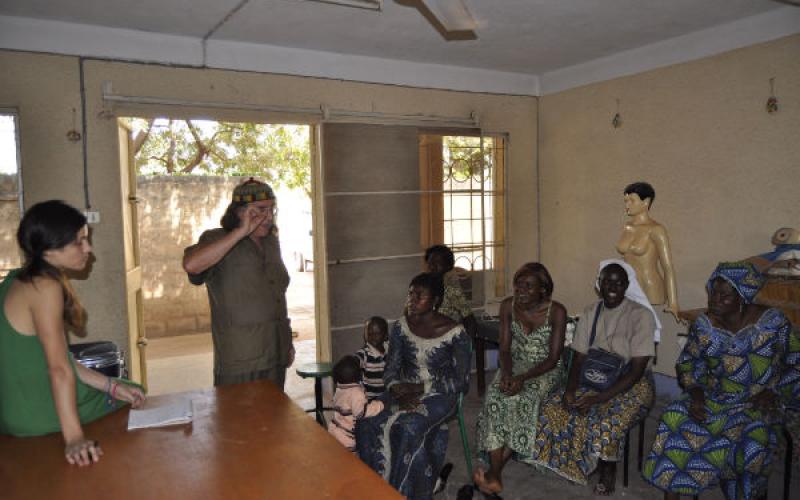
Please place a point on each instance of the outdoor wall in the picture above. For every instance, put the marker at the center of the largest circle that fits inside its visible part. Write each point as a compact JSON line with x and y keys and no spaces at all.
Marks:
{"x":9,"y":220}
{"x":46,"y":89}
{"x":724,"y":170}
{"x":173,"y":212}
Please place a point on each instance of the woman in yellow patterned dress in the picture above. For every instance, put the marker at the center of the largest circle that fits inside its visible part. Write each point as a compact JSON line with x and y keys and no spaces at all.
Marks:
{"x":581,"y":429}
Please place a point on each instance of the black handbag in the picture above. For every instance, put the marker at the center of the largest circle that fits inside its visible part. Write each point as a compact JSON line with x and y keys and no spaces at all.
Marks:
{"x":601,"y":368}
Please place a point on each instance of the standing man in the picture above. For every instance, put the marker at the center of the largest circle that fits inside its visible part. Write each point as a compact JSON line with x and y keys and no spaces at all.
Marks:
{"x":241,"y":265}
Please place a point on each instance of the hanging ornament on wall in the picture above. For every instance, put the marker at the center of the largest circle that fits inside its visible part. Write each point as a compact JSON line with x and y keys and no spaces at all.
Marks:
{"x":73,"y":135}
{"x":616,"y":122}
{"x":772,"y":101}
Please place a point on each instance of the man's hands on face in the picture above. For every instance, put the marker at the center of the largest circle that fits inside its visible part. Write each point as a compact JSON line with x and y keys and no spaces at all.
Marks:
{"x":250,"y":218}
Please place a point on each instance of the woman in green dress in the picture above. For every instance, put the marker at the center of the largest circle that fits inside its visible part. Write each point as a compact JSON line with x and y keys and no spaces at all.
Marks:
{"x":42,"y":388}
{"x":532,"y":328}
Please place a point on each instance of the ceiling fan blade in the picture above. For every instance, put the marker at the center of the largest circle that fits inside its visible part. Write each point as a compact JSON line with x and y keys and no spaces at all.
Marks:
{"x":452,"y":14}
{"x":358,"y":4}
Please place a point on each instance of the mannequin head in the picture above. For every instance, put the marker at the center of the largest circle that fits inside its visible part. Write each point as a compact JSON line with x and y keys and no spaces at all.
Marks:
{"x":641,"y":190}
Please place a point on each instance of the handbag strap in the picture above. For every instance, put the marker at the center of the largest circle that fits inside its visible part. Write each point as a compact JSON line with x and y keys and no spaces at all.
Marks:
{"x":594,"y":323}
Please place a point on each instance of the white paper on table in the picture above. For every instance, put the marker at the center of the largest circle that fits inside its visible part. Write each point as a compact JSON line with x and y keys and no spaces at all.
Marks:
{"x":174,"y":412}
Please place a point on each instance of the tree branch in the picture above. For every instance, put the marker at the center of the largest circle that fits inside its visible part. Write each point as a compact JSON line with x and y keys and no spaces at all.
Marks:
{"x":142,"y":137}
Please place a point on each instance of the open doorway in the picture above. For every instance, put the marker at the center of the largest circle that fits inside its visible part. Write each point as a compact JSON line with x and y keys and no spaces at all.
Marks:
{"x":10,"y":192}
{"x":185,"y":171}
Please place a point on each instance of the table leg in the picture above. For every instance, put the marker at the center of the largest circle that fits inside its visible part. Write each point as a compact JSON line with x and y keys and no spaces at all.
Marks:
{"x":480,"y":362}
{"x":318,"y":401}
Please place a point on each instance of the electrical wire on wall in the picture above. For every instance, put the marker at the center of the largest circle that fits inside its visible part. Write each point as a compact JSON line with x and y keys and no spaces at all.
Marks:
{"x":87,"y":202}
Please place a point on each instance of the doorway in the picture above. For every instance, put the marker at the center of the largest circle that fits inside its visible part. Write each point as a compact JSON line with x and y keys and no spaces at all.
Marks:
{"x":185,"y":171}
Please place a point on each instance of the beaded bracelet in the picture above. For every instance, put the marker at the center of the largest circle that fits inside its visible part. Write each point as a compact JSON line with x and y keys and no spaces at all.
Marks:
{"x":114,"y":392}
{"x":111,"y":392}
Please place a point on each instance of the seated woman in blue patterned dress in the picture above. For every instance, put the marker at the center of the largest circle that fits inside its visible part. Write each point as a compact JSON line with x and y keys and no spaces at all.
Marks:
{"x":738,"y":359}
{"x":427,"y":367}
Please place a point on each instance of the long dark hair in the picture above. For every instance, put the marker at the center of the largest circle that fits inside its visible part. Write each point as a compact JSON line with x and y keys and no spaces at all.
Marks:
{"x":51,"y":225}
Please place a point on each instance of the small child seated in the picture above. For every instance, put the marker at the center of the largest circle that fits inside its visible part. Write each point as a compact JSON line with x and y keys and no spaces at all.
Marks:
{"x":373,"y":355}
{"x":349,"y":401}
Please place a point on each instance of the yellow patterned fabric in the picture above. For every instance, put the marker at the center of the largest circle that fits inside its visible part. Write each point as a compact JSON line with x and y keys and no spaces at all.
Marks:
{"x":454,"y":304}
{"x":570,"y":444}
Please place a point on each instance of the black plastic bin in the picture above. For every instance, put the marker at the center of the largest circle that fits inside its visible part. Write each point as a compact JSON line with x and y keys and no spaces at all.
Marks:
{"x":104,"y":357}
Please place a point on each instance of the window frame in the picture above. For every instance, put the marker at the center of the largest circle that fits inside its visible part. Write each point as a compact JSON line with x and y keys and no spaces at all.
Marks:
{"x":14,"y":114}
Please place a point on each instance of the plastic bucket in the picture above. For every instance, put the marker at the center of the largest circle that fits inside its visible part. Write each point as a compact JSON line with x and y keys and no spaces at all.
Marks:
{"x":104,"y":357}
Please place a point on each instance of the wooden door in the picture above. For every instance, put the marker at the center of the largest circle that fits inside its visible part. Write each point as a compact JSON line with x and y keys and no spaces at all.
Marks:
{"x":137,"y":341}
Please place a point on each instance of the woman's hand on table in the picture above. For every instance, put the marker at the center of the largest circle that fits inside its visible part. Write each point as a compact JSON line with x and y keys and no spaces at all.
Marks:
{"x":130,"y":394}
{"x":82,"y":452}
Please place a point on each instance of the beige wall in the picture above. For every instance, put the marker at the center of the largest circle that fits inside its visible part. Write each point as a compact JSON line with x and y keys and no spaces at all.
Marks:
{"x":725,"y":171}
{"x":173,"y":213}
{"x":45,"y":89}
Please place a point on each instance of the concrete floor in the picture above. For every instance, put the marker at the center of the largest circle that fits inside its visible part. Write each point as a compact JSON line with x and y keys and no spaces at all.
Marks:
{"x":186,"y":363}
{"x":522,"y":482}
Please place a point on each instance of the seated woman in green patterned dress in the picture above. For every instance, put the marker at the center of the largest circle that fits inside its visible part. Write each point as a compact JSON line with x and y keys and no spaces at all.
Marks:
{"x":532,"y":328}
{"x":42,"y":388}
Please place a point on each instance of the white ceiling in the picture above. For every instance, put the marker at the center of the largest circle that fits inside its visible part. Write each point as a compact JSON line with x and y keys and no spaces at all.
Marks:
{"x":528,"y":38}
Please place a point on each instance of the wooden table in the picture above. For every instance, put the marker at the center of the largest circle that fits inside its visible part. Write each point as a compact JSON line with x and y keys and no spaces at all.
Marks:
{"x":246,"y":441}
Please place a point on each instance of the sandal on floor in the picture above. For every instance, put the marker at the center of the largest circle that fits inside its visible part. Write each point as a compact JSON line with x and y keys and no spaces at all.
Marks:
{"x":441,"y":481}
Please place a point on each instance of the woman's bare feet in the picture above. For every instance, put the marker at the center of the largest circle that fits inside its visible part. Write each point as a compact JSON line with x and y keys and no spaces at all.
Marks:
{"x":486,"y":482}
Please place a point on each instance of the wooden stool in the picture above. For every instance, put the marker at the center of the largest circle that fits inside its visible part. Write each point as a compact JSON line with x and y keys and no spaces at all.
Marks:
{"x":319,"y":371}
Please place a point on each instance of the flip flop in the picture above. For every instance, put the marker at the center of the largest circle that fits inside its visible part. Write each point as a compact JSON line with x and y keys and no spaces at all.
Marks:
{"x":441,"y":481}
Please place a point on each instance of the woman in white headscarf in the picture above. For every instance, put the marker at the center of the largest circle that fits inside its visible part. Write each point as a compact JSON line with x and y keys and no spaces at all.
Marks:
{"x":583,"y":428}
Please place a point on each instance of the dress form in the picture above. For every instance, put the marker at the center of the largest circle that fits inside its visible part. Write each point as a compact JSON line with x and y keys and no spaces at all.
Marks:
{"x":644,"y":245}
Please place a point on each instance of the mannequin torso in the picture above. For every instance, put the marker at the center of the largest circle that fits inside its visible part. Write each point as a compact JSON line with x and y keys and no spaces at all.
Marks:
{"x":644,"y":245}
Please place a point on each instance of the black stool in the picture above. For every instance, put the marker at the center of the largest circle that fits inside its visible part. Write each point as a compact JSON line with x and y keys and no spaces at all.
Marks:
{"x":318,"y":371}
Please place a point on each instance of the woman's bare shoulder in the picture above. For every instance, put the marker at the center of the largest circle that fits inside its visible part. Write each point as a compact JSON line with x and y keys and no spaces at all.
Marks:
{"x":41,"y":289}
{"x":558,"y":308}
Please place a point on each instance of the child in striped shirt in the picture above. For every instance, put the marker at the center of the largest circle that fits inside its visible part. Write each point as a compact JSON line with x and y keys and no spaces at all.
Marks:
{"x":373,"y":355}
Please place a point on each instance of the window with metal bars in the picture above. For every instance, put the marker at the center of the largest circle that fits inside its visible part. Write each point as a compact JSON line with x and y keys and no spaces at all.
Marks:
{"x":464,"y":207}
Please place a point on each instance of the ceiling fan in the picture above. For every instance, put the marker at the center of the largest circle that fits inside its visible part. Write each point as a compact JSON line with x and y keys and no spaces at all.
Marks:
{"x":451,"y":18}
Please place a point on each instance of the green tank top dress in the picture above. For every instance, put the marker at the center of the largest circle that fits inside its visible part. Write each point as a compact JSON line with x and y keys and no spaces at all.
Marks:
{"x":511,"y":420}
{"x":26,"y":399}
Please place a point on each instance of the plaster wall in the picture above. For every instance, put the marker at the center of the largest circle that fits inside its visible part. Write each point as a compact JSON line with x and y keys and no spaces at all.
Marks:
{"x":724,"y":170}
{"x":45,"y":90}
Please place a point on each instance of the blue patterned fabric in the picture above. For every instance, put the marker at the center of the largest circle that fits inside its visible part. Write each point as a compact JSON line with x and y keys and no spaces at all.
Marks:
{"x":407,"y":447}
{"x":743,"y":276}
{"x":733,"y":447}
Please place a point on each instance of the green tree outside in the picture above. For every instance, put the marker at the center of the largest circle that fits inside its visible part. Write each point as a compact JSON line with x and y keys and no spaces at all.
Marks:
{"x":279,"y":154}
